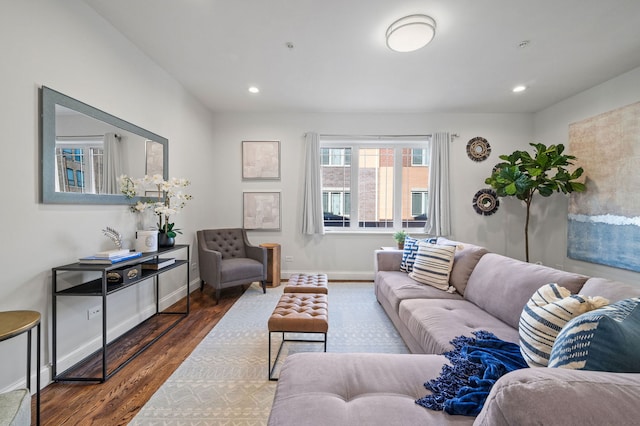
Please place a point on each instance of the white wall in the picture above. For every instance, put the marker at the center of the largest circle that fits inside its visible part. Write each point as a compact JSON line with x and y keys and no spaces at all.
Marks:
{"x":350,"y":256}
{"x":552,"y":126}
{"x":64,"y":45}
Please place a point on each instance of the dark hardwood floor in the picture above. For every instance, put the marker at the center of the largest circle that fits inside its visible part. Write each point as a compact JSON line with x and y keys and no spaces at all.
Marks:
{"x":116,"y":401}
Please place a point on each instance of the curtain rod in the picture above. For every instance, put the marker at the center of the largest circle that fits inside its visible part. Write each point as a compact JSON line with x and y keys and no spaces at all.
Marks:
{"x":83,"y":136}
{"x":453,"y":136}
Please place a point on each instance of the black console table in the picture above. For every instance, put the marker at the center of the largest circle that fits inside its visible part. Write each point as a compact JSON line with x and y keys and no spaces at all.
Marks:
{"x":101,"y":288}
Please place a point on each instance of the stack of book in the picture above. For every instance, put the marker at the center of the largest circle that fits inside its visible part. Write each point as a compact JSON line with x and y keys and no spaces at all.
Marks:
{"x":109,"y":257}
{"x":158,"y":263}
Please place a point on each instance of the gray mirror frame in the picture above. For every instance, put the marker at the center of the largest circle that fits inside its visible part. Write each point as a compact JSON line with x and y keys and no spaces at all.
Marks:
{"x":49,"y":98}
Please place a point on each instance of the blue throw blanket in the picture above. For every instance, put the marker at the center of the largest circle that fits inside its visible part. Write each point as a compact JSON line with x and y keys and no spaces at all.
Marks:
{"x":476,"y":364}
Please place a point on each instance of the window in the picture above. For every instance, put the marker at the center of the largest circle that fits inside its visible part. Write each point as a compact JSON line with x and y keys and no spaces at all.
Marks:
{"x":335,"y":156}
{"x":81,"y":162}
{"x":419,"y":204}
{"x":376,"y":183}
{"x":419,"y":157}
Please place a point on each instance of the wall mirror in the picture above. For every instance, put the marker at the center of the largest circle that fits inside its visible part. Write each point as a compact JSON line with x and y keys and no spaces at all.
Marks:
{"x":85,"y":150}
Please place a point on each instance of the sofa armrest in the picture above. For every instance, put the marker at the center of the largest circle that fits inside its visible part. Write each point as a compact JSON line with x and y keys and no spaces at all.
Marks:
{"x":557,"y":396}
{"x":387,"y":260}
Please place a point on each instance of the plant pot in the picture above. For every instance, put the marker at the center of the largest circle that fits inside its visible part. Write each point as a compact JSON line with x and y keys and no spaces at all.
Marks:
{"x":146,"y":241}
{"x":401,"y":246}
{"x":165,"y":241}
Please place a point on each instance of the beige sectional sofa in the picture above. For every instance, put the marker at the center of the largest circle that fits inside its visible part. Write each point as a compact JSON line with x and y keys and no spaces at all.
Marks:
{"x":491,"y":292}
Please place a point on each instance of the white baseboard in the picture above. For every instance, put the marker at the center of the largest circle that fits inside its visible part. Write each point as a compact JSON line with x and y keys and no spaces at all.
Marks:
{"x":91,"y":346}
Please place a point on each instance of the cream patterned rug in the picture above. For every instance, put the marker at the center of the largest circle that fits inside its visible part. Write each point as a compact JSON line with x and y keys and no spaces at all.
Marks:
{"x":225,"y":379}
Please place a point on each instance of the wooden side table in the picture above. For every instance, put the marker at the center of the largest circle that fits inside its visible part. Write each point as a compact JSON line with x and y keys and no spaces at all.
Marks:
{"x":14,"y":323}
{"x":273,"y":264}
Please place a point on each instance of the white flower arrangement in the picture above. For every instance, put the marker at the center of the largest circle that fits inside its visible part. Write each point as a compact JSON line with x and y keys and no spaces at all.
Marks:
{"x":169,"y":201}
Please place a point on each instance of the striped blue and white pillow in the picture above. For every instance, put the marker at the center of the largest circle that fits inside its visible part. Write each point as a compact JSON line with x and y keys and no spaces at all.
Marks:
{"x":433,"y":265}
{"x":606,"y":339}
{"x":550,"y":308}
{"x":410,"y":251}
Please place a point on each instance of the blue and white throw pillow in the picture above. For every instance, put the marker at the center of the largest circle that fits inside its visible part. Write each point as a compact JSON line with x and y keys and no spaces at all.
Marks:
{"x":550,"y":308}
{"x":433,"y":265}
{"x":410,"y":251}
{"x":606,"y":339}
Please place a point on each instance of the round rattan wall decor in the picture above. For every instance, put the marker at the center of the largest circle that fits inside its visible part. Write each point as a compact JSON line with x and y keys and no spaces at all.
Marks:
{"x":486,"y":202}
{"x":478,"y":149}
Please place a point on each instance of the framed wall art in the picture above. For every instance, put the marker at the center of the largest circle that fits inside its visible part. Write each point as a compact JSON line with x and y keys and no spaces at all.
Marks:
{"x":261,"y":160}
{"x":261,"y":211}
{"x":604,"y":220}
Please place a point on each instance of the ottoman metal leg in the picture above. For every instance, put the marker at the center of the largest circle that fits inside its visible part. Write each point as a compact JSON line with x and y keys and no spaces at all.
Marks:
{"x":273,"y":367}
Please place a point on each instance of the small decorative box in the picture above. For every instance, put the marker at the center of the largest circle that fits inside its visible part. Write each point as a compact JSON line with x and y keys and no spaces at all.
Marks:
{"x":124,"y":275}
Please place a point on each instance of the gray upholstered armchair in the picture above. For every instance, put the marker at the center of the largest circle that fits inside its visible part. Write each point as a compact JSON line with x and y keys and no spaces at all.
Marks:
{"x":227,"y":259}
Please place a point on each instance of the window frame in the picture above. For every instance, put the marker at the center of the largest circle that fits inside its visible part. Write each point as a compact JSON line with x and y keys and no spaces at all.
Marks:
{"x":373,"y":142}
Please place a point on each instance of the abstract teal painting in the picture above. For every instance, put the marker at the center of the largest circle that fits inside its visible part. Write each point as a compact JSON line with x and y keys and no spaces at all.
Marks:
{"x":604,"y":221}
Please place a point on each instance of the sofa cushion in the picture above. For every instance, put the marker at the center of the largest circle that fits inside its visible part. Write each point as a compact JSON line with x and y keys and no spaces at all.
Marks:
{"x":548,"y":310}
{"x":497,"y":279}
{"x":410,"y":251}
{"x":396,"y":286}
{"x":609,"y":289}
{"x":553,"y":396}
{"x":433,"y":265}
{"x":607,"y":339}
{"x":466,"y":258}
{"x":435,"y":322}
{"x":356,"y":389}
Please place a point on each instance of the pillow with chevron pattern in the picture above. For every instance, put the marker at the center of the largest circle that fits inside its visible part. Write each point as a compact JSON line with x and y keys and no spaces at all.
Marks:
{"x":607,"y":339}
{"x":410,"y":251}
{"x":550,"y":308}
{"x":433,"y":265}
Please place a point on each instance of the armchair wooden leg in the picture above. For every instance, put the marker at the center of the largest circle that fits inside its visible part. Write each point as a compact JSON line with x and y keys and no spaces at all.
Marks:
{"x":264,"y":287}
{"x":201,"y":285}
{"x":217,"y":295}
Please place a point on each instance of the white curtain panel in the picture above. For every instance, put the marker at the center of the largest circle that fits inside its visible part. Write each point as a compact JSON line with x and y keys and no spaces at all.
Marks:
{"x":439,"y":212}
{"x":312,"y":215}
{"x":112,"y":164}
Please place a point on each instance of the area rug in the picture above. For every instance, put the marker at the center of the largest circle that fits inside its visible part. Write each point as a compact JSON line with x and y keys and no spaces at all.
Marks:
{"x":225,"y":379}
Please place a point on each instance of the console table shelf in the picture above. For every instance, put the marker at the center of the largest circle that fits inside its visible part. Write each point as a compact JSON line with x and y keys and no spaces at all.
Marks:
{"x":94,"y":288}
{"x":102,"y":289}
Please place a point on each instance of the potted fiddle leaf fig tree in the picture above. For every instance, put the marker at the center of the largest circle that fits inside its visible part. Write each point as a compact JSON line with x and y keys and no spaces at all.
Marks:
{"x":546,"y":171}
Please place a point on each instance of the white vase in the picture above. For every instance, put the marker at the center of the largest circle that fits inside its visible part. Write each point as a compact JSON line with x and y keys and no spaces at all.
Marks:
{"x":146,"y":241}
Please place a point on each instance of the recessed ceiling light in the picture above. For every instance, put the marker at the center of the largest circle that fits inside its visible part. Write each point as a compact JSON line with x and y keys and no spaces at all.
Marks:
{"x":254,"y":89}
{"x":519,"y":89}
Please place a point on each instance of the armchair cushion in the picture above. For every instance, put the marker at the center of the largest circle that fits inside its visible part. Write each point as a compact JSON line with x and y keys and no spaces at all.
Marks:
{"x":15,"y":408}
{"x":240,"y":269}
{"x":229,"y":242}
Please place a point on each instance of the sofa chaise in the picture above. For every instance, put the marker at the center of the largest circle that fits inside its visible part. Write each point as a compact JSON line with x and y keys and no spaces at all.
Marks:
{"x":491,"y":292}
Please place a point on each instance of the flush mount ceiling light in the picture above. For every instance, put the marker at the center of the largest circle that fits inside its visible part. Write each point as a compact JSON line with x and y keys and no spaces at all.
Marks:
{"x":254,"y":89}
{"x":411,"y":33}
{"x":519,"y":89}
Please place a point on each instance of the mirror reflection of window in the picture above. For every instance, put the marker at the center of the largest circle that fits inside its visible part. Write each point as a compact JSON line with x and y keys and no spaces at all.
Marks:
{"x":79,"y":164}
{"x":154,"y":155}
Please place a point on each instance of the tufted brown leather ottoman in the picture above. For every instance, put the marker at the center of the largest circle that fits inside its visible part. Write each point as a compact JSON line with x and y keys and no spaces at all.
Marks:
{"x":298,"y":313}
{"x":307,"y":283}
